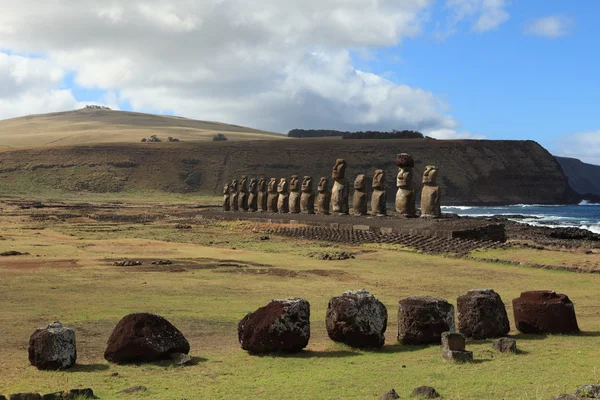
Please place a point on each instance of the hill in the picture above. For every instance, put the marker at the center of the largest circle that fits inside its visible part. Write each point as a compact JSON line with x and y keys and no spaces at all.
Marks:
{"x":90,"y":126}
{"x":584,"y":178}
{"x":471,"y":171}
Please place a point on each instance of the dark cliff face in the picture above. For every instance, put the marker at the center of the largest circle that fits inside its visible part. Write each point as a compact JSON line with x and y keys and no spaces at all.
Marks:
{"x":470,"y":171}
{"x":584,"y":178}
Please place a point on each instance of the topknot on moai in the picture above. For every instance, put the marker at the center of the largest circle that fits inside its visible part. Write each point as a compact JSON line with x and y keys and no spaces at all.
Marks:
{"x":261,"y":197}
{"x":252,"y":195}
{"x":405,"y":197}
{"x":283,"y":196}
{"x":324,"y":197}
{"x":273,"y":195}
{"x":341,"y":190}
{"x":359,"y":198}
{"x":294,"y":200}
{"x":234,"y":195}
{"x":379,"y":198}
{"x":243,"y":196}
{"x":430,"y":195}
{"x":307,"y":199}
{"x":227,"y":197}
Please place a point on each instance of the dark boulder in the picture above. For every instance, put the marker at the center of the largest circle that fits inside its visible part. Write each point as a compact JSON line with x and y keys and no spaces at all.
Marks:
{"x":423,"y":319}
{"x":357,"y":318}
{"x":25,"y":396}
{"x":425,"y":392}
{"x":144,"y":337}
{"x":482,"y":314}
{"x":390,"y":395}
{"x":505,"y":345}
{"x":544,"y":311}
{"x":53,"y":347}
{"x":281,"y":325}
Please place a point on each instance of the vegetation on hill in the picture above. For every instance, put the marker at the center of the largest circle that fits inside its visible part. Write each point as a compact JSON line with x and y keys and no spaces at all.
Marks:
{"x":394,"y":134}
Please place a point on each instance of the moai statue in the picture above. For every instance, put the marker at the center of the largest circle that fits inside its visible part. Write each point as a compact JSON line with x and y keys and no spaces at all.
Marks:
{"x":324,"y":197}
{"x":430,"y":195}
{"x":405,"y":197}
{"x":234,"y":195}
{"x":226,"y":197}
{"x":243,"y":197}
{"x":283,"y":196}
{"x":261,"y":198}
{"x":294,"y":199}
{"x":272,"y":196}
{"x":252,"y":195}
{"x":307,"y":199}
{"x":379,"y":198}
{"x":341,"y":188}
{"x":359,"y":199}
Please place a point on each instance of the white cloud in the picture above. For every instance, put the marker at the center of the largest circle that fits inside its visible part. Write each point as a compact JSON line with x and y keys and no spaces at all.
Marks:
{"x":484,"y":15}
{"x":452,"y":134}
{"x":270,"y":64}
{"x":584,"y":146}
{"x":550,"y":27}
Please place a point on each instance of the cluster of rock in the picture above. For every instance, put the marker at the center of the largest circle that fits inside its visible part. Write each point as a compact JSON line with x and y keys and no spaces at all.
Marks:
{"x":295,"y":196}
{"x":73,"y":394}
{"x":584,"y":392}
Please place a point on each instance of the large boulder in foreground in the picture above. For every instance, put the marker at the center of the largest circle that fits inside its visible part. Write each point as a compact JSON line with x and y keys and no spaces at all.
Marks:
{"x":144,"y":337}
{"x":357,"y":319}
{"x":423,"y":319}
{"x":583,"y":393}
{"x":282,"y":325}
{"x":544,"y":311}
{"x":482,"y":315}
{"x":53,"y":347}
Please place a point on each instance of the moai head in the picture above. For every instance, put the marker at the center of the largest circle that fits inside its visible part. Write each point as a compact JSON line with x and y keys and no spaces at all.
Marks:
{"x":430,"y":175}
{"x":244,"y":184}
{"x":226,"y":189}
{"x":294,"y":183}
{"x":323,"y":185}
{"x":234,"y":186}
{"x":379,"y":179}
{"x":339,"y":169}
{"x":253,"y":185}
{"x":283,"y":186}
{"x":404,"y":179}
{"x":307,"y":185}
{"x":360,"y":183}
{"x":262,"y":185}
{"x":273,"y":185}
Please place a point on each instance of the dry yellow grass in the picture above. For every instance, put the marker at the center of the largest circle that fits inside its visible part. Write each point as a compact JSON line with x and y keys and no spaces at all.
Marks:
{"x":89,"y":126}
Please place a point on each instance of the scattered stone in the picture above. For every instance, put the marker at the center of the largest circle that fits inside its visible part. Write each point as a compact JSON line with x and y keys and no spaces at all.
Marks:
{"x":584,"y":392}
{"x":426,"y":392}
{"x":390,"y":395}
{"x":357,"y":318}
{"x":453,"y":348}
{"x":134,"y":389}
{"x":505,"y":345}
{"x":114,"y":374}
{"x":186,"y":226}
{"x":281,"y":325}
{"x":482,"y":314}
{"x":162,"y":262}
{"x":25,"y":396}
{"x":126,"y":263}
{"x":342,"y":255}
{"x":181,"y":358}
{"x":423,"y":319}
{"x":12,"y":253}
{"x":71,"y":395}
{"x":53,"y":347}
{"x":544,"y":311}
{"x":144,"y":337}
{"x":265,"y":238}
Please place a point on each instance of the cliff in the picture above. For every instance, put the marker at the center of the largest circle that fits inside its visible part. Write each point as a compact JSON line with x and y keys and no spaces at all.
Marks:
{"x":583,"y":178}
{"x":471,"y":171}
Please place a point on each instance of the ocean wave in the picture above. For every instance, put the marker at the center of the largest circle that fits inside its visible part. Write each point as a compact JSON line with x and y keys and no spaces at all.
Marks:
{"x":457,"y":207}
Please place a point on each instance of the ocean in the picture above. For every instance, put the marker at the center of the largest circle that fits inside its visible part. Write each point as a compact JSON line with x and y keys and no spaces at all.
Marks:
{"x":583,"y":215}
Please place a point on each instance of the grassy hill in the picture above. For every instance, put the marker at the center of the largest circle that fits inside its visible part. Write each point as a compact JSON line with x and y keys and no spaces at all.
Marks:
{"x":92,"y":126}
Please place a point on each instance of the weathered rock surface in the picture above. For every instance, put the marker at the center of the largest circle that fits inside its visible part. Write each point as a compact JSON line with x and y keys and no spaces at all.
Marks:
{"x":584,"y":392}
{"x":505,"y":345}
{"x":482,"y":314}
{"x":453,"y":348}
{"x":390,"y":395}
{"x":307,"y":198}
{"x":430,"y":194}
{"x":253,"y":195}
{"x":379,"y":197}
{"x":243,"y":194}
{"x":144,"y":337}
{"x":544,"y":311}
{"x":272,"y":196}
{"x":53,"y":347}
{"x":234,"y":195}
{"x":262,"y":197}
{"x":359,"y":198}
{"x":425,"y":392}
{"x":283,"y":196}
{"x":357,"y":318}
{"x":25,"y":396}
{"x":324,"y":197}
{"x":226,"y":197}
{"x":71,"y":395}
{"x":281,"y":325}
{"x":295,"y":194}
{"x":405,"y":196}
{"x":423,"y":319}
{"x":341,"y":188}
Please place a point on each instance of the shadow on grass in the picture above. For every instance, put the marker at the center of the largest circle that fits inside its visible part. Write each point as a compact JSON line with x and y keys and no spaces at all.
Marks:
{"x":399,"y":348}
{"x":527,"y":336}
{"x":312,"y":354}
{"x":88,"y":368}
{"x":588,"y":334}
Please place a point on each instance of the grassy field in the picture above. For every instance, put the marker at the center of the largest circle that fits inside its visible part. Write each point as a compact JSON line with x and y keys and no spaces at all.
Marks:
{"x":69,"y":276}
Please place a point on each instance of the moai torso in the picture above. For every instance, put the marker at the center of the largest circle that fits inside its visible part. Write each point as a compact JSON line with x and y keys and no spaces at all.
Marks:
{"x":359,"y":198}
{"x":283,"y":205}
{"x":252,"y":195}
{"x":430,"y":195}
{"x":307,"y":199}
{"x":261,"y":197}
{"x":226,"y":198}
{"x":243,"y":197}
{"x":272,"y":196}
{"x":341,"y":190}
{"x":405,"y":197}
{"x":234,"y":195}
{"x":324,"y":197}
{"x":294,"y":199}
{"x":379,"y":198}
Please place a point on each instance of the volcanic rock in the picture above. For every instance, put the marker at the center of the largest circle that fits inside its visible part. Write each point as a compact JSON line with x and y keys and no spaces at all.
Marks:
{"x":390,"y":395}
{"x":505,"y":345}
{"x":544,"y":311}
{"x":53,"y":347}
{"x":482,"y":314}
{"x":25,"y":396}
{"x":423,"y":319}
{"x":453,"y":348}
{"x":426,"y":392}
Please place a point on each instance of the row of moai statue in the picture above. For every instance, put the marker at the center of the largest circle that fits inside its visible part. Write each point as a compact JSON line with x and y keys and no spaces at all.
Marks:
{"x":298,"y":197}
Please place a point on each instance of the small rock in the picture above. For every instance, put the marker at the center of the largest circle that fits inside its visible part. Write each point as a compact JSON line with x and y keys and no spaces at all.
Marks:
{"x":162,"y":262}
{"x":12,"y":253}
{"x":25,"y":396}
{"x":426,"y":392}
{"x":265,"y":238}
{"x":589,"y":391}
{"x":453,"y":348}
{"x":114,"y":374}
{"x":71,"y":395}
{"x":505,"y":345}
{"x":391,"y":395}
{"x":127,"y":263}
{"x":53,"y":347}
{"x":183,"y":226}
{"x":134,"y":389}
{"x":181,"y":358}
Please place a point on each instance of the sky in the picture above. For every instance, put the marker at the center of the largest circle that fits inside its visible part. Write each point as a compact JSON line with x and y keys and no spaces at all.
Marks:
{"x":493,"y":69}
